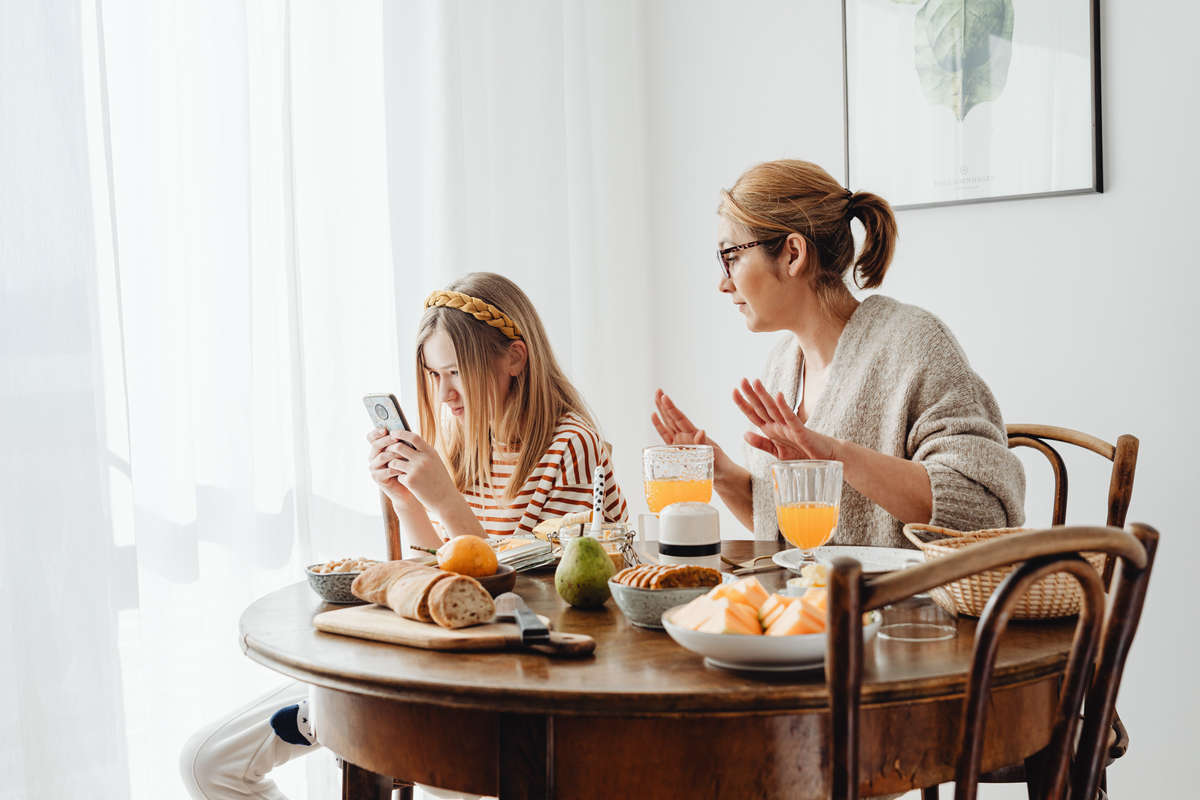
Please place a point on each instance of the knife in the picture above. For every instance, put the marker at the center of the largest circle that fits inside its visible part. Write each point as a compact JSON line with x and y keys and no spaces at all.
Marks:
{"x":533,"y":632}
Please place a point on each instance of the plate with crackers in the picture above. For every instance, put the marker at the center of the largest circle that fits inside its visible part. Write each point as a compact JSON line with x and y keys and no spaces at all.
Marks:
{"x":645,"y":591}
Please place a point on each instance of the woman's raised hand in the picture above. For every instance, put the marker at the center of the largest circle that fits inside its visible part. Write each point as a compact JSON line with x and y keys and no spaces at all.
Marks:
{"x":783,"y":434}
{"x":674,"y":427}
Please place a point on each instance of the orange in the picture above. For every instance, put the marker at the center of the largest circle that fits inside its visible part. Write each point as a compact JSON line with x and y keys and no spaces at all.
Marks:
{"x":468,"y":555}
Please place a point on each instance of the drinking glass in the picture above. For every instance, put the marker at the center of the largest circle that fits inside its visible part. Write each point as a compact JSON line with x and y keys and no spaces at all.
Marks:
{"x":807,"y":496}
{"x":677,"y":473}
{"x":917,"y":619}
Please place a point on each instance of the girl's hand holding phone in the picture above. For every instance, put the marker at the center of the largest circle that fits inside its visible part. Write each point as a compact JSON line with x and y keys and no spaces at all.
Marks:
{"x":420,"y":470}
{"x":380,"y":440}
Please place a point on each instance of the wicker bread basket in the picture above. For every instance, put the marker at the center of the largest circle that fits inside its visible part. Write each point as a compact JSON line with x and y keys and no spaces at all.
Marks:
{"x":1053,"y":596}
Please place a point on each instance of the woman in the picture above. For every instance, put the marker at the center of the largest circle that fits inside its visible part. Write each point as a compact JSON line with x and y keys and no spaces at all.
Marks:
{"x":881,"y":386}
{"x":508,"y":442}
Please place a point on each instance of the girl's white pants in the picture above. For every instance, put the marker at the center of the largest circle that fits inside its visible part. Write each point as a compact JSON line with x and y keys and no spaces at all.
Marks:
{"x":231,"y":759}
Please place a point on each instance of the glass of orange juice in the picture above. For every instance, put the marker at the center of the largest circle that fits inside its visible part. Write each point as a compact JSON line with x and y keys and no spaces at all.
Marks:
{"x":807,"y":496}
{"x":677,"y":473}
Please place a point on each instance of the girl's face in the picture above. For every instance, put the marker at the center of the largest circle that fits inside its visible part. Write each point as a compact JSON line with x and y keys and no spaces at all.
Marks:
{"x":441,"y":362}
{"x":756,"y":281}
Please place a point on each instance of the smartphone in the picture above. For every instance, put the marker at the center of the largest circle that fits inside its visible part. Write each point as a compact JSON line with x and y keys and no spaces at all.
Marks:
{"x":384,"y":410}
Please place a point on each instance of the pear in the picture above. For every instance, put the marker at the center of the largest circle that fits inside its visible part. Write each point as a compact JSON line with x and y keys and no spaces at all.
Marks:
{"x":582,"y":575}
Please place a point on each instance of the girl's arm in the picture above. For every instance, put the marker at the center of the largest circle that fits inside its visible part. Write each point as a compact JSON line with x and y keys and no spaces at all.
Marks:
{"x":421,"y":471}
{"x":415,"y":527}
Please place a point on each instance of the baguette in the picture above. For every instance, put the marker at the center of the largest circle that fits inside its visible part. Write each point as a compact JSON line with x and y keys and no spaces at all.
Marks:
{"x":459,"y":602}
{"x":402,"y":586}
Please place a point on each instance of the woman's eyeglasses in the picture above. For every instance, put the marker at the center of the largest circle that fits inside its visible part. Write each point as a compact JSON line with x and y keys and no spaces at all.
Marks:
{"x":723,"y":255}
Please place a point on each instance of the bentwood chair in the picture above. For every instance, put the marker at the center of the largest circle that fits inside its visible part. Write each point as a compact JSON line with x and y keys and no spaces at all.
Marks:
{"x":1070,"y":766}
{"x":1123,"y":456}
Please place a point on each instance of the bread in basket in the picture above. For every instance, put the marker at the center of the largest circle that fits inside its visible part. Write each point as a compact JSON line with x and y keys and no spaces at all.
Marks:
{"x":1051,"y":597}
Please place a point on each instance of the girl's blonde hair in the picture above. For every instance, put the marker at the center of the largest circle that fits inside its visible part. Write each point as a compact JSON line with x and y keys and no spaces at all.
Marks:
{"x":777,"y":198}
{"x":537,"y":398}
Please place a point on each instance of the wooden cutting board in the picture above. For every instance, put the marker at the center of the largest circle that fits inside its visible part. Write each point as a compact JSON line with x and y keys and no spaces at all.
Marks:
{"x":381,"y":624}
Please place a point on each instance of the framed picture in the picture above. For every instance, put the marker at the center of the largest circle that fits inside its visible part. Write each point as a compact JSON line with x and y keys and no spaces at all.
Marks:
{"x":963,"y":101}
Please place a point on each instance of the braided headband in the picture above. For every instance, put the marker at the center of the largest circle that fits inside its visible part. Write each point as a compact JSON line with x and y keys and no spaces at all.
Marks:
{"x":479,"y":309}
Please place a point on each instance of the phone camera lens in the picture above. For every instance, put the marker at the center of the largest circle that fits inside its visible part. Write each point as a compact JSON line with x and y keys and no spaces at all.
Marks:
{"x":381,"y":411}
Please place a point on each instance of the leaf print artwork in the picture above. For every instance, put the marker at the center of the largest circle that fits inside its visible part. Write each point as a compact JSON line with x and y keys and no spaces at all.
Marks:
{"x":963,"y":49}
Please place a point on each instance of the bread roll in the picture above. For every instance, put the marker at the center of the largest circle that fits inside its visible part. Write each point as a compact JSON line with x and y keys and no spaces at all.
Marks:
{"x":401,"y":586}
{"x":459,"y":602}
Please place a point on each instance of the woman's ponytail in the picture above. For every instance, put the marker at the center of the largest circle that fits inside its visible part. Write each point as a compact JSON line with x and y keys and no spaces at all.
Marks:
{"x":879,"y":226}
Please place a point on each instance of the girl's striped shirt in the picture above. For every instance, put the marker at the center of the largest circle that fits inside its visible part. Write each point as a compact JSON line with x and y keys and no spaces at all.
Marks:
{"x":560,"y":483}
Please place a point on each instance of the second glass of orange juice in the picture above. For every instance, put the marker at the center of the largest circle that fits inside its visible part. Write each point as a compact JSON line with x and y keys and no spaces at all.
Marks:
{"x":807,"y":497}
{"x":677,"y":474}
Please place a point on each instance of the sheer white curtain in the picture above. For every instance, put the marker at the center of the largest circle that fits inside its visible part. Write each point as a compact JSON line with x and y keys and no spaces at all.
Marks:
{"x":218,"y":223}
{"x":517,"y":141}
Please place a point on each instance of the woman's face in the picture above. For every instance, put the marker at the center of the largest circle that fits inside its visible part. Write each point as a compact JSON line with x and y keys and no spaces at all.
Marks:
{"x":441,"y":362}
{"x":754,"y":283}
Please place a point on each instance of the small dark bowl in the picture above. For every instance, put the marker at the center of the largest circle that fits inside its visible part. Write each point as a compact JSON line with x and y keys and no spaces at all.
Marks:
{"x":332,"y":587}
{"x":503,"y":580}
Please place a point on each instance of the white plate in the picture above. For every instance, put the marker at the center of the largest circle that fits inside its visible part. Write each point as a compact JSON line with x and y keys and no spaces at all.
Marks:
{"x":763,"y":667}
{"x":739,"y":651}
{"x":873,"y":559}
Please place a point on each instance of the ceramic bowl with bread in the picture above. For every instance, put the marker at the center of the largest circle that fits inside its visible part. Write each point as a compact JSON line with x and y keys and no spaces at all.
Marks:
{"x":644,"y":592}
{"x":331,"y":580}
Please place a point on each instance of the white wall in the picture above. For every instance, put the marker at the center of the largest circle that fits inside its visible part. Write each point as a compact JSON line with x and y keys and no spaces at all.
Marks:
{"x":1077,"y":310}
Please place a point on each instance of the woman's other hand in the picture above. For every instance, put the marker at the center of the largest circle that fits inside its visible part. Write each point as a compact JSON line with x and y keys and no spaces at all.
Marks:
{"x":674,"y":427}
{"x":387,"y":478}
{"x":783,"y":434}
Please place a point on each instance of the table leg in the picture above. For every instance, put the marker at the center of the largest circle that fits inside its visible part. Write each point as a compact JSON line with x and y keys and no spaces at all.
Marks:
{"x":526,"y":767}
{"x":362,"y":784}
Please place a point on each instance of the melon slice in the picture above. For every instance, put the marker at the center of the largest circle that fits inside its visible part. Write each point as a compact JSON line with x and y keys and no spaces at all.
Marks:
{"x":776,"y":604}
{"x":795,"y":619}
{"x":731,"y":618}
{"x":818,"y":598}
{"x":746,"y":590}
{"x":694,"y":614}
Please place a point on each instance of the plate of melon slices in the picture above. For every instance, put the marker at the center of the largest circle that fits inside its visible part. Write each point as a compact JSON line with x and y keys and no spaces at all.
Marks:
{"x":739,"y":625}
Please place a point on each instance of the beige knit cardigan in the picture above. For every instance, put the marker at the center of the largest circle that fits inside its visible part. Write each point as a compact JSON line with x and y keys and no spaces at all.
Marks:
{"x":900,"y":384}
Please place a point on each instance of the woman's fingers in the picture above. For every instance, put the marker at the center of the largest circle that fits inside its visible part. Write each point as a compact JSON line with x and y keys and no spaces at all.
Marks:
{"x":399,"y":466}
{"x":665,"y":433}
{"x":677,"y":418}
{"x":774,"y":412}
{"x":748,"y":410}
{"x":755,"y":403}
{"x":761,"y":443}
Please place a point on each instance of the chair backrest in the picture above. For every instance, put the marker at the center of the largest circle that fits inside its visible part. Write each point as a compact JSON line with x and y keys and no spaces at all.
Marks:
{"x":391,"y":528}
{"x":1101,"y":640}
{"x":1123,"y":456}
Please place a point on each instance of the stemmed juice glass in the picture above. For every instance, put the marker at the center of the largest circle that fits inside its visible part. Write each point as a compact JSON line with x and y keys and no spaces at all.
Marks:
{"x":807,"y":497}
{"x":677,"y":473}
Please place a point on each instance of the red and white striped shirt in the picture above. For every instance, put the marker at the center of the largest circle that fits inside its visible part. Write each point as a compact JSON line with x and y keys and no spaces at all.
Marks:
{"x":560,"y":483}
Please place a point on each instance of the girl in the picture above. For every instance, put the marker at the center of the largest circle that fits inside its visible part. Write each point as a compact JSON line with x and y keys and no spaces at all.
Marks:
{"x":881,"y":386}
{"x":508,"y":442}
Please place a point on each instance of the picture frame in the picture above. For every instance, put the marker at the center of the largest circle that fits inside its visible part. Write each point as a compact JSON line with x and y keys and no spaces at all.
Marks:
{"x":969,"y":101}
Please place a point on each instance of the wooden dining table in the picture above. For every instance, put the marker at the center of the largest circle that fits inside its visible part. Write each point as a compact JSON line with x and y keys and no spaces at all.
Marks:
{"x":643,"y":717}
